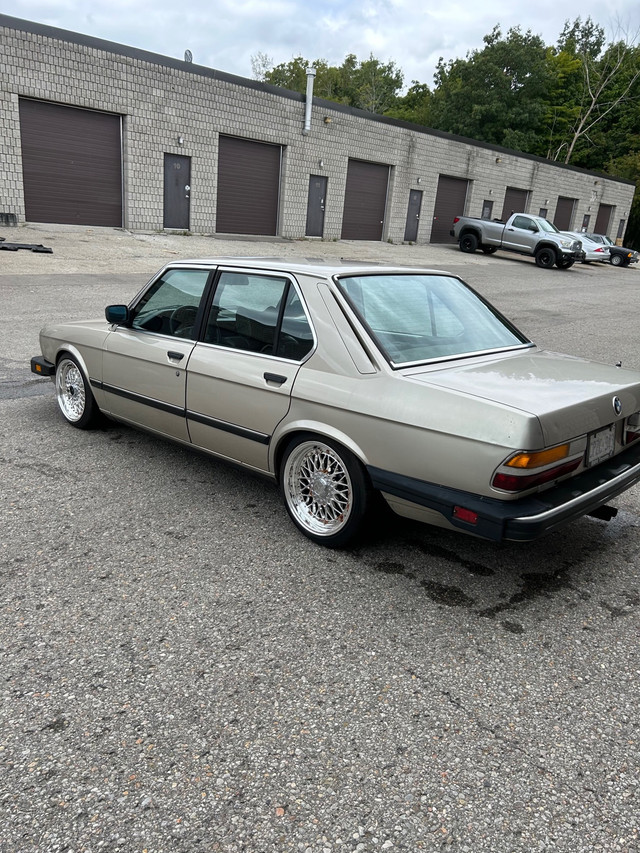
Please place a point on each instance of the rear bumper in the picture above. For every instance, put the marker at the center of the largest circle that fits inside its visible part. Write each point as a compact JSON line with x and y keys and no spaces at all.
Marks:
{"x":524,"y":519}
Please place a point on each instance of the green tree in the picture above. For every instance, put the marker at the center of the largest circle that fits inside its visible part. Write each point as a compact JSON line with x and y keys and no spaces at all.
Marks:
{"x":498,"y":94}
{"x":601,"y":87}
{"x":628,"y":166}
{"x":369,"y":85}
{"x":415,"y":106}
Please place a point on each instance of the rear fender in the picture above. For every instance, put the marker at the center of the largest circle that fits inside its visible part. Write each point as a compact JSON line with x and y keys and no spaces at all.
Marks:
{"x":282,"y":437}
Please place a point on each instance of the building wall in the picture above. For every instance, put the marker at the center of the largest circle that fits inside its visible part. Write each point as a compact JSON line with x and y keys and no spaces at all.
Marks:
{"x":162,"y":99}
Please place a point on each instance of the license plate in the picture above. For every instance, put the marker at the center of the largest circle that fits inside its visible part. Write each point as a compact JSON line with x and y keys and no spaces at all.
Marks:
{"x":601,"y":445}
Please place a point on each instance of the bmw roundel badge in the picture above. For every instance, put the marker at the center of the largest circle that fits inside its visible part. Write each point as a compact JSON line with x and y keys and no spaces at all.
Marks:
{"x":617,"y":406}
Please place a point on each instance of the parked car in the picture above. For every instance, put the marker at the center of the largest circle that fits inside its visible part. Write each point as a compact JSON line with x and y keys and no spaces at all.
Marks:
{"x":340,"y":380}
{"x":591,"y":250}
{"x":619,"y":256}
{"x":521,"y":233}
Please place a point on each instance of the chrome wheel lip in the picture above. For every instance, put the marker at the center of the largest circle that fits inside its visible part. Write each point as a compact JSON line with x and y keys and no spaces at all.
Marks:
{"x":70,"y":390}
{"x":318,"y":488}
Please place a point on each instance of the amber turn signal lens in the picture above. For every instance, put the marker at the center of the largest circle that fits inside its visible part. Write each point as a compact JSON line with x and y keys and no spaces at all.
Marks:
{"x":539,"y":458}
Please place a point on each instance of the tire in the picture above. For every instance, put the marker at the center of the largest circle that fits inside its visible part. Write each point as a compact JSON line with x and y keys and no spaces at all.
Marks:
{"x":74,"y":396}
{"x":325,"y":490}
{"x":616,"y":260}
{"x":489,"y":250}
{"x":564,"y":263}
{"x":468,"y":243}
{"x":545,"y":258}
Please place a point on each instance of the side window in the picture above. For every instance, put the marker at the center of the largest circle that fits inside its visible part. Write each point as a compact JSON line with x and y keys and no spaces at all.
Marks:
{"x":296,"y":338}
{"x":244,"y":313}
{"x":522,"y":222}
{"x":170,"y":306}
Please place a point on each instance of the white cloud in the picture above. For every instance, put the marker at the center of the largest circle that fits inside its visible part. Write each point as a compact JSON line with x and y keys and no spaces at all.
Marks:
{"x":226,"y":33}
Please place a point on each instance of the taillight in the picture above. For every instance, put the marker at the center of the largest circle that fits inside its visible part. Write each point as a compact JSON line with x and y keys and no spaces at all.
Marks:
{"x":632,"y":428}
{"x":528,"y":469}
{"x":515,"y":483}
{"x":456,"y":219}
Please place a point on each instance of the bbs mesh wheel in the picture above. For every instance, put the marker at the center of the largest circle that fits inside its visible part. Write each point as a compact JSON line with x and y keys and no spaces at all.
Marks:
{"x":74,"y":396}
{"x":325,"y":490}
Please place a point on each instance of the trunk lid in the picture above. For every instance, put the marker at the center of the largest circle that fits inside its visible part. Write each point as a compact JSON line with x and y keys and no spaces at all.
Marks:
{"x":569,"y":396}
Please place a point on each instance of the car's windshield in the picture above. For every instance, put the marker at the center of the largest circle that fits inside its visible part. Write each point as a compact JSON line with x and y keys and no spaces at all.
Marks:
{"x":545,"y":225}
{"x":417,"y":317}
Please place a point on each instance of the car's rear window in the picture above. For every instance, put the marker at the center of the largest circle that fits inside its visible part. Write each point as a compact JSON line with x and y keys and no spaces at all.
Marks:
{"x":416,"y":317}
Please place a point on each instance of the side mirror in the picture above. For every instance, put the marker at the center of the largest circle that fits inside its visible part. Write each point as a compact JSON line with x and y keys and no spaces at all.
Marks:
{"x":533,"y":228}
{"x":118,"y":314}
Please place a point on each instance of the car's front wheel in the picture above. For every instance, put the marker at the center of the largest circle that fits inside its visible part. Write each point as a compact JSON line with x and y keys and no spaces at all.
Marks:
{"x":74,"y":395}
{"x":564,"y":263}
{"x":616,"y":260}
{"x":545,"y":258}
{"x":325,"y":490}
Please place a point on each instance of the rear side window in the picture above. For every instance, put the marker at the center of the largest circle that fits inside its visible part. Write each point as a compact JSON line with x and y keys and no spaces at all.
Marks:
{"x":258,"y":313}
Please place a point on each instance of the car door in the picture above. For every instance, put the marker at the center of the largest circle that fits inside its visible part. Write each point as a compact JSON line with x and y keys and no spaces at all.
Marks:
{"x":144,"y":362}
{"x":520,"y":235}
{"x":241,"y":373}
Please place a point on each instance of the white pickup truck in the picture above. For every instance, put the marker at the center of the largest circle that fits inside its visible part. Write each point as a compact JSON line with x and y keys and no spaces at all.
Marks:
{"x":522,"y":233}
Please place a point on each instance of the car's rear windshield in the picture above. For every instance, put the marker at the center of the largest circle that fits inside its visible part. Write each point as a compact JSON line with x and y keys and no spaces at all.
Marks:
{"x":417,"y":317}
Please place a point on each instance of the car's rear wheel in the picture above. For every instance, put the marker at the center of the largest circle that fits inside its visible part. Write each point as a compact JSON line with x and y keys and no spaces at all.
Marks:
{"x":74,"y":395}
{"x":325,"y":490}
{"x":468,"y":243}
{"x":616,"y":260}
{"x":545,"y":258}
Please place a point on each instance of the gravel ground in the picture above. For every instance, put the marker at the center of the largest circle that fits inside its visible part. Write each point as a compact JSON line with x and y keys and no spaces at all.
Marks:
{"x":181,"y":672}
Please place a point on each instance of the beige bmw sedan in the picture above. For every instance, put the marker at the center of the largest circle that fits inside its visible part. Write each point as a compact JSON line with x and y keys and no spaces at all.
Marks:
{"x":341,"y":381}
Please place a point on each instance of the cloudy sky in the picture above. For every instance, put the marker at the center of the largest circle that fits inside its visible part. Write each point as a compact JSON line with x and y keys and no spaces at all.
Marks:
{"x":225,"y":34}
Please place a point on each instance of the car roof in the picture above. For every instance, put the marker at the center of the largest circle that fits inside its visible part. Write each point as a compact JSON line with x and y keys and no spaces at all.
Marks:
{"x":306,"y":266}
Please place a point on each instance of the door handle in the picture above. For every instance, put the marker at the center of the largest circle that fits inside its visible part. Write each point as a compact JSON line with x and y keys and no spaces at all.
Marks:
{"x":176,"y":356}
{"x":275,"y":378}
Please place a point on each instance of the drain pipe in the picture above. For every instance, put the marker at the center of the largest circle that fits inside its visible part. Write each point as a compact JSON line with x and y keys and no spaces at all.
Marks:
{"x":311,"y":73}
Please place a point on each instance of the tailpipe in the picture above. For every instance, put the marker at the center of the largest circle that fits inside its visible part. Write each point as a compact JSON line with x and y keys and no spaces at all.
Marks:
{"x":604,"y":513}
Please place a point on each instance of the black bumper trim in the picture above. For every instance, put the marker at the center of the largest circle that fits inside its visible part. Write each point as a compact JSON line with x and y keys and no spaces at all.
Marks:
{"x":41,"y":367}
{"x":523,"y":519}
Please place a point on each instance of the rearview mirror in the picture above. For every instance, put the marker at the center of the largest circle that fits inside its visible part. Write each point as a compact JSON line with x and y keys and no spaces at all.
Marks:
{"x":118,"y":314}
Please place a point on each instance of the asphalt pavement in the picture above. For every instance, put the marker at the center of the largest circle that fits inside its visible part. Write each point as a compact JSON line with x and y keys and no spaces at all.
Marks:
{"x":182,"y":672}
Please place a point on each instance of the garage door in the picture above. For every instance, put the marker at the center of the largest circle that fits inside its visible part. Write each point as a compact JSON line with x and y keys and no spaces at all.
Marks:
{"x":515,"y":201}
{"x":603,"y":219}
{"x":564,"y":213}
{"x":71,"y":164}
{"x":248,"y":186}
{"x":365,"y":199}
{"x":451,"y":198}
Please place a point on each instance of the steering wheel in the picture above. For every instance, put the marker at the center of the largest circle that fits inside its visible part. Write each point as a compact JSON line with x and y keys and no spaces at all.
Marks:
{"x":182,"y":319}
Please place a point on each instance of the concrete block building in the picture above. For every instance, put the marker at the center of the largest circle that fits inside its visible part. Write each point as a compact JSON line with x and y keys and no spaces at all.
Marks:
{"x":96,"y":133}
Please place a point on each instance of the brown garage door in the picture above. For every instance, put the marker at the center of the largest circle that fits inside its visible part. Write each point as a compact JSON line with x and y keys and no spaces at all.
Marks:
{"x":564,"y":213}
{"x":365,"y":199}
{"x":603,"y":219}
{"x":515,"y":201}
{"x":451,"y":197}
{"x":71,"y":164}
{"x":248,"y":186}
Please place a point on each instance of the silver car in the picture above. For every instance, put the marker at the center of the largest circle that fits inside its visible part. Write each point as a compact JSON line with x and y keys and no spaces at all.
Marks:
{"x":591,"y":250}
{"x":343,"y":380}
